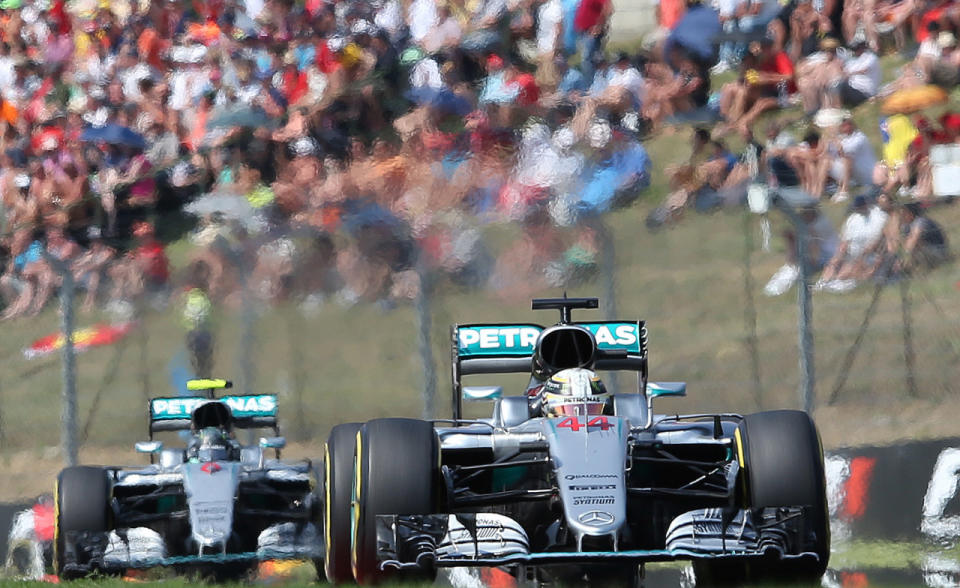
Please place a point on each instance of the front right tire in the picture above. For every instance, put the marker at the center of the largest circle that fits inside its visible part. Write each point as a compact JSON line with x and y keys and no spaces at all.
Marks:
{"x":781,"y":462}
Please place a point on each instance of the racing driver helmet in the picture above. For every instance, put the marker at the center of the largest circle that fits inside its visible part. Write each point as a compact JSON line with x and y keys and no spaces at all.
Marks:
{"x":576,"y":391}
{"x":211,"y":444}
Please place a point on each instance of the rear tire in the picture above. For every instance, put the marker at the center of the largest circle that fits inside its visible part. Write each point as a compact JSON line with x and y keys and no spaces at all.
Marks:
{"x":782,"y":462}
{"x":82,"y":505}
{"x":395,"y":473}
{"x":338,"y":489}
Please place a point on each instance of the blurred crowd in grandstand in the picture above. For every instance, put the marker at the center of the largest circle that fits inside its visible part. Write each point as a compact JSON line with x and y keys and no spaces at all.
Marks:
{"x":345,"y":149}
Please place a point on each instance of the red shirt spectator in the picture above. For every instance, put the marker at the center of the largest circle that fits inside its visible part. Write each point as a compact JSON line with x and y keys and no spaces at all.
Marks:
{"x":150,"y":256}
{"x":670,"y":12}
{"x":589,"y":14}
{"x":529,"y":92}
{"x":933,"y":15}
{"x":295,"y":84}
{"x":779,"y":63}
{"x":326,"y":59}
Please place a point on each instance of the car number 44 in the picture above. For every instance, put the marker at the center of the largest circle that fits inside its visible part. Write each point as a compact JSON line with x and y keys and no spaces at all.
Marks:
{"x":576,"y":424}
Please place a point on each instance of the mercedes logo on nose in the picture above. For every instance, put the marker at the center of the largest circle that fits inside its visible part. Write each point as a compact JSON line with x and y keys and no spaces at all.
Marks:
{"x":596,"y":518}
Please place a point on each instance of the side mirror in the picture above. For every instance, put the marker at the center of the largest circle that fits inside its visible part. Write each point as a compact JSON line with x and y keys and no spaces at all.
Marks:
{"x":273,"y":442}
{"x":148,"y":446}
{"x":480,"y":393}
{"x":657,"y":389}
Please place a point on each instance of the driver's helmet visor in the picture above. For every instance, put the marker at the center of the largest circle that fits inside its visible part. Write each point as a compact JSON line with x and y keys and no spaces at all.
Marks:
{"x":577,"y":409}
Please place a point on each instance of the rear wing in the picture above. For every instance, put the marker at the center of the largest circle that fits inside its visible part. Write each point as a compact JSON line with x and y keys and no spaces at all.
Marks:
{"x":505,"y":348}
{"x":248,"y":412}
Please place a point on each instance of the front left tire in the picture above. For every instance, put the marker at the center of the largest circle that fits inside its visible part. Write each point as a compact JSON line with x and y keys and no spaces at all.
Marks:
{"x":338,"y":490}
{"x":395,"y":472}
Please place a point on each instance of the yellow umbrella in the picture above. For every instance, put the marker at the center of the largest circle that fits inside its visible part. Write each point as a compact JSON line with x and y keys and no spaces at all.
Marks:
{"x":914,"y":99}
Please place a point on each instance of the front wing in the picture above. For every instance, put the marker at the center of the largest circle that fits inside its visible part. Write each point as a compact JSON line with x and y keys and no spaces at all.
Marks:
{"x":468,"y":540}
{"x":142,"y":547}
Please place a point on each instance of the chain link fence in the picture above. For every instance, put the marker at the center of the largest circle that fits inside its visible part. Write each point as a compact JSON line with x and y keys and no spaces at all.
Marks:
{"x":283,"y":320}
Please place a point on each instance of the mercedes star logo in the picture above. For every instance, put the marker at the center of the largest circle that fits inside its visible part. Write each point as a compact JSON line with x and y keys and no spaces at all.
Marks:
{"x":596,"y":518}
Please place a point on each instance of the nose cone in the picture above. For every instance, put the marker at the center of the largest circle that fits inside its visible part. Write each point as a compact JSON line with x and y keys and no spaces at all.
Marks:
{"x":589,"y":455}
{"x":211,"y":488}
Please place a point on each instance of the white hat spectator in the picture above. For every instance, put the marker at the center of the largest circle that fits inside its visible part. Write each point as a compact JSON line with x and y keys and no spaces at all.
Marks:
{"x":304,"y":146}
{"x":946,"y":39}
{"x":98,"y":117}
{"x":826,"y":118}
{"x":188,"y":53}
{"x":564,"y":138}
{"x":599,"y":134}
{"x":363,"y":27}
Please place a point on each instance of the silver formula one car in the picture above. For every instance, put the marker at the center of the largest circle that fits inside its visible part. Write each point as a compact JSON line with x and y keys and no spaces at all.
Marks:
{"x":216,"y":506}
{"x":572,"y":482}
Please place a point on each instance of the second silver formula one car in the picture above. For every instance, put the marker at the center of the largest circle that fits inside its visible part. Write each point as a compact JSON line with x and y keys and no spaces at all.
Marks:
{"x":570,"y":481}
{"x":214,"y":506}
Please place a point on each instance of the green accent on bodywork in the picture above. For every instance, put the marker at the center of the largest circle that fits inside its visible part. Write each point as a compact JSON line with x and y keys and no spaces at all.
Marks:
{"x":508,"y":478}
{"x":656,"y":389}
{"x":166,"y":504}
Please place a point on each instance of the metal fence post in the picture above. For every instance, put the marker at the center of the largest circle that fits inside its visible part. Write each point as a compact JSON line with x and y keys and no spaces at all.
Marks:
{"x":608,"y":261}
{"x":68,"y":431}
{"x":750,"y":313}
{"x":909,"y":357}
{"x":804,"y":306}
{"x":424,"y":322}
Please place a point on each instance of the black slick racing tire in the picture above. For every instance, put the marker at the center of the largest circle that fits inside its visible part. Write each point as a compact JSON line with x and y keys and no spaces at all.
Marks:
{"x":82,"y":503}
{"x":395,"y":472}
{"x":337,"y":492}
{"x":782,"y":461}
{"x":784,"y":467}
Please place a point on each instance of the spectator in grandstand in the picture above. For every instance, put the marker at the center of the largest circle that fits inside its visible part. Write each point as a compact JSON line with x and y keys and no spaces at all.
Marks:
{"x":60,"y":253}
{"x":817,"y":73}
{"x":697,"y":182}
{"x":919,"y":71}
{"x":591,"y":22}
{"x":764,"y":85}
{"x":850,"y":161}
{"x":896,"y":16}
{"x":20,"y":280}
{"x":730,"y":12}
{"x":821,"y":245}
{"x":854,"y":259}
{"x":924,"y":241}
{"x":90,"y":267}
{"x":798,"y":29}
{"x":145,"y":270}
{"x":860,"y":80}
{"x":675,"y":89}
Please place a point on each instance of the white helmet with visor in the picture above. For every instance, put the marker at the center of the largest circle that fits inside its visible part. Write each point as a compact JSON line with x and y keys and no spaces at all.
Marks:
{"x":575,"y":391}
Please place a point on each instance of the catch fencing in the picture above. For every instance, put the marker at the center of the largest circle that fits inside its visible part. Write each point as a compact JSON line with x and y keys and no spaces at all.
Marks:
{"x":282,"y":321}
